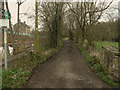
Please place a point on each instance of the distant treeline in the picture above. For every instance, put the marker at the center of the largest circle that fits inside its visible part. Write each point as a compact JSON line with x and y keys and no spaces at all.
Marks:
{"x":105,"y":31}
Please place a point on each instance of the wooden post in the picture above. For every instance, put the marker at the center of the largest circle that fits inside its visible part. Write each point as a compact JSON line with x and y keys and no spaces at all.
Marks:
{"x":36,"y":28}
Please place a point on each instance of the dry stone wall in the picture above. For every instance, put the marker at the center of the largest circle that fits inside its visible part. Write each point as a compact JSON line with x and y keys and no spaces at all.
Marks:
{"x":110,"y":62}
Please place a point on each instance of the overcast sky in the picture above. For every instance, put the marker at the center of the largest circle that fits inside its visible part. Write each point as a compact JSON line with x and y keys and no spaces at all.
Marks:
{"x":26,"y":7}
{"x":29,"y":7}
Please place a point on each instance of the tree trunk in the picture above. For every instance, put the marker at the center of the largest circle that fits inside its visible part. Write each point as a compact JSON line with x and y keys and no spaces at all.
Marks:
{"x":36,"y":27}
{"x":83,"y":36}
{"x":70,"y":35}
{"x":59,"y":40}
{"x":18,"y":21}
{"x":11,"y":31}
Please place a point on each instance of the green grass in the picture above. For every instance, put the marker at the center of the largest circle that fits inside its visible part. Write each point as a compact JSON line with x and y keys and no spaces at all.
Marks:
{"x":96,"y":66}
{"x":66,"y":38}
{"x":110,"y":82}
{"x":99,"y":44}
{"x":85,"y":53}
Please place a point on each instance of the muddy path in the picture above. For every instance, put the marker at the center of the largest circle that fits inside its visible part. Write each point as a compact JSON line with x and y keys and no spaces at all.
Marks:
{"x":67,"y":69}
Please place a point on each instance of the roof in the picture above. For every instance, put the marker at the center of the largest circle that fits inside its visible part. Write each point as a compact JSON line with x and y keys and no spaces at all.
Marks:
{"x":23,"y":24}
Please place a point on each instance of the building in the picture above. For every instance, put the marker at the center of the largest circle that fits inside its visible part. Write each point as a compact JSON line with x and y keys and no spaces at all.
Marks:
{"x":23,"y":28}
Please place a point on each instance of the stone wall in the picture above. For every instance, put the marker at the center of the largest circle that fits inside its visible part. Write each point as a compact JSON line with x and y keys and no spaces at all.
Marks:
{"x":110,"y":62}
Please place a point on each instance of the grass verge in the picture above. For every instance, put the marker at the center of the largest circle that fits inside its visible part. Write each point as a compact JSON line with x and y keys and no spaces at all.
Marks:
{"x":97,"y":67}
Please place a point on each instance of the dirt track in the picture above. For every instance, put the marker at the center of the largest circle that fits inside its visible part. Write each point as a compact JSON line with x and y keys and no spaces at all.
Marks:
{"x":67,"y":69}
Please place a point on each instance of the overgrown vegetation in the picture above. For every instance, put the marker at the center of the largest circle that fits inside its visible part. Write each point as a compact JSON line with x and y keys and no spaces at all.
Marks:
{"x":97,"y":67}
{"x":14,"y":77}
{"x":20,"y":70}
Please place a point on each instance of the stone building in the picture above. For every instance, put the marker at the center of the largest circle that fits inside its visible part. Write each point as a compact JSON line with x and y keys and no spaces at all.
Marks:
{"x":23,"y":28}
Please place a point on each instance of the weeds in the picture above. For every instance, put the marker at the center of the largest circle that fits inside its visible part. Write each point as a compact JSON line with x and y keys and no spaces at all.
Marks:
{"x":110,"y":82}
{"x":97,"y":67}
{"x":14,"y":77}
{"x":19,"y":70}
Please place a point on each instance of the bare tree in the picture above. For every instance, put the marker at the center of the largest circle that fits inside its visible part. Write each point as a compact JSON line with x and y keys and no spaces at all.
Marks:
{"x":52,"y":17}
{"x":19,"y":3}
{"x":87,"y":14}
{"x":11,"y":30}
